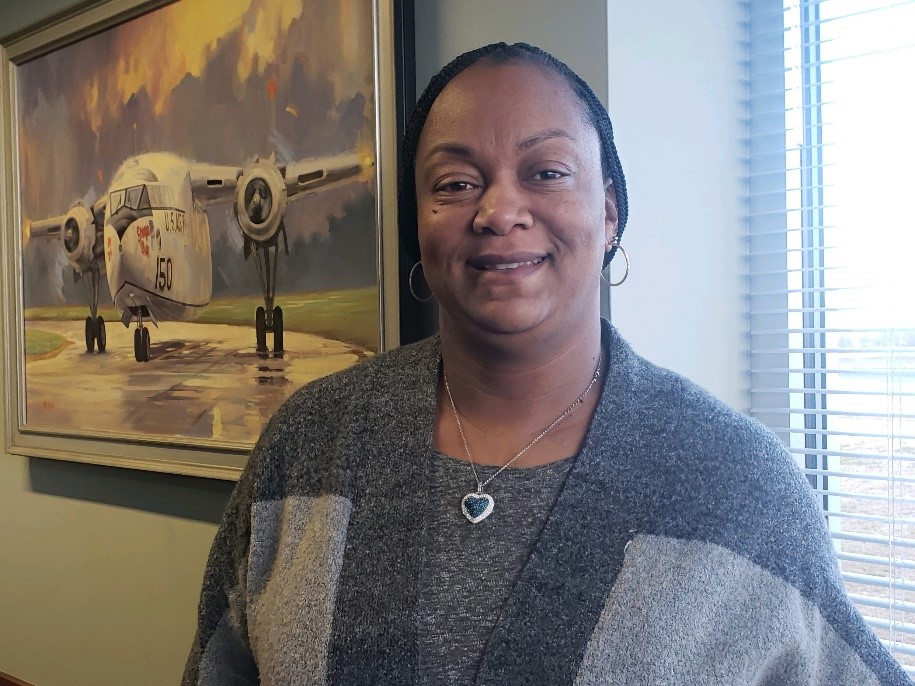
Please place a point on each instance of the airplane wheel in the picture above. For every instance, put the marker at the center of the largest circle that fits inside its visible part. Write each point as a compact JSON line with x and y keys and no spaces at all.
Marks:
{"x":145,"y":344}
{"x":260,"y":328}
{"x":90,"y":335}
{"x":137,"y":345}
{"x":277,"y":329}
{"x":100,"y":336}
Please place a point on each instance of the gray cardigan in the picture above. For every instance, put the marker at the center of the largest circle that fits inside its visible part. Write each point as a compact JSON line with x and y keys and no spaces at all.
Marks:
{"x":685,"y":548}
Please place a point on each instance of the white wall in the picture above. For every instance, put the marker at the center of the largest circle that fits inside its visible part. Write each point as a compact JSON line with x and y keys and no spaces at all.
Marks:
{"x":675,"y":98}
{"x":670,"y":73}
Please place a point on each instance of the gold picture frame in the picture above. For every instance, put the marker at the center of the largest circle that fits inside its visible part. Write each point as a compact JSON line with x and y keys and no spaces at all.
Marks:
{"x":75,"y":419}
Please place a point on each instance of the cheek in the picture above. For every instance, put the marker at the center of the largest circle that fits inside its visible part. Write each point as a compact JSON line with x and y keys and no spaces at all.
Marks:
{"x":581,"y":227}
{"x":440,"y":233}
{"x":427,"y":220}
{"x":435,"y":244}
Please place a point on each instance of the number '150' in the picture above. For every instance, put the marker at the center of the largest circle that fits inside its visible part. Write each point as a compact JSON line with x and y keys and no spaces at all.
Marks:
{"x":164,"y":274}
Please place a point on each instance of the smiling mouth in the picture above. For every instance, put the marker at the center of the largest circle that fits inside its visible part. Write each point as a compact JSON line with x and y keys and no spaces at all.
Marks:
{"x":506,"y":266}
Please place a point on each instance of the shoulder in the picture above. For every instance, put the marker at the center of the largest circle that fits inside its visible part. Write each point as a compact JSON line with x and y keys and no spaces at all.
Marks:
{"x":306,"y":434}
{"x":694,"y":471}
{"x":386,"y":374}
{"x":388,"y":367}
{"x":699,"y":469}
{"x":651,"y":403}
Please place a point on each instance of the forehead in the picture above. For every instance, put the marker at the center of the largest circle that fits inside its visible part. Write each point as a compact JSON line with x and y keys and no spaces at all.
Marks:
{"x":511,"y":99}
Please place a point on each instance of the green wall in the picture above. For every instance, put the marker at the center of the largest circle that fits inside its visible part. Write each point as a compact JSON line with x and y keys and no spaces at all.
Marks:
{"x":100,"y":569}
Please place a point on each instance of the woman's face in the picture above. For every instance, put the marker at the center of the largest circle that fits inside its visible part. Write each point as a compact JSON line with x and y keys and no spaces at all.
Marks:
{"x":514,"y":218}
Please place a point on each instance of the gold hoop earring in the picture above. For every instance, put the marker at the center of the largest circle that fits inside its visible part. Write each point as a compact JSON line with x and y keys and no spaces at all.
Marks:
{"x":410,"y":284}
{"x":616,"y":244}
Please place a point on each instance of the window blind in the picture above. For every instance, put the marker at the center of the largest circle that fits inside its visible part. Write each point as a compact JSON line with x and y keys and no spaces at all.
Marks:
{"x":831,"y":245}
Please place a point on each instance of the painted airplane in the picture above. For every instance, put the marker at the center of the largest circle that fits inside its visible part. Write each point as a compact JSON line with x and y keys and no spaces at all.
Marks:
{"x":150,"y":235}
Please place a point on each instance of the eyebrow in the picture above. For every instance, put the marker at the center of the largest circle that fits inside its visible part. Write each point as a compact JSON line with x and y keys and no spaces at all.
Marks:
{"x":455,"y":149}
{"x":537,"y":138}
{"x":459,"y":150}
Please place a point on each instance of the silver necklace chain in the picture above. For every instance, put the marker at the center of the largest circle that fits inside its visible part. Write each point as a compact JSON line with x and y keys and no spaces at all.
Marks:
{"x":569,"y":410}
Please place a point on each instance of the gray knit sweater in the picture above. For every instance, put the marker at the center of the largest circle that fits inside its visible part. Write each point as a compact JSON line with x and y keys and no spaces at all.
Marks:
{"x":685,"y":548}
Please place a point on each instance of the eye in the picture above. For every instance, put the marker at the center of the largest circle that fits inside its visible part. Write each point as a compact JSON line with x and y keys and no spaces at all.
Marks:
{"x":453,"y":187}
{"x":551,"y":174}
{"x":454,"y":184}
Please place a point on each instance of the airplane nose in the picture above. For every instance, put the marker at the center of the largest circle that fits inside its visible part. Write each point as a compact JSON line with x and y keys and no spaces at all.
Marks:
{"x":112,"y":258}
{"x":119,"y":222}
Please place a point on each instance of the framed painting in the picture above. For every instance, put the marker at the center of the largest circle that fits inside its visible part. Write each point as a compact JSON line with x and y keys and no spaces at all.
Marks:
{"x":198,"y":218}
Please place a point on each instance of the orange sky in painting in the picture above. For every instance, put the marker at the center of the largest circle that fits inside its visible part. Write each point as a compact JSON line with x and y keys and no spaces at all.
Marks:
{"x":216,"y":82}
{"x":196,"y":28}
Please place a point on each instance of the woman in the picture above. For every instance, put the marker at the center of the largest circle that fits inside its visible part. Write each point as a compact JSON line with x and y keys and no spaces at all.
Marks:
{"x":521,"y":499}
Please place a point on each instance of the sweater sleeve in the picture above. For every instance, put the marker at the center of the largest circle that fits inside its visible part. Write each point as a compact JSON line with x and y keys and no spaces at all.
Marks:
{"x":221,"y":654}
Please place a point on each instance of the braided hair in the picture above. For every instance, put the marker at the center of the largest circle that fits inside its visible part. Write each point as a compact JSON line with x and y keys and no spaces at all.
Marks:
{"x":502,"y":53}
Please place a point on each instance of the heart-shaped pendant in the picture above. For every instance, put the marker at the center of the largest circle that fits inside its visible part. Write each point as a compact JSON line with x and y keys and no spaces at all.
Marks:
{"x":477,"y":506}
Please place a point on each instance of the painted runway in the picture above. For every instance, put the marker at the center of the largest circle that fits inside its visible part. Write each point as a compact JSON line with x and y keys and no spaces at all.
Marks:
{"x":209,"y":383}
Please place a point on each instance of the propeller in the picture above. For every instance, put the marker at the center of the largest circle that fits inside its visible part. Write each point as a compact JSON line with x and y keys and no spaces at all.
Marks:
{"x":71,"y":235}
{"x":258,"y":200}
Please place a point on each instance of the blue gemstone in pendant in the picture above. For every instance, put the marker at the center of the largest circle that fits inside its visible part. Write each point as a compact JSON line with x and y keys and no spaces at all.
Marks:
{"x":477,"y":506}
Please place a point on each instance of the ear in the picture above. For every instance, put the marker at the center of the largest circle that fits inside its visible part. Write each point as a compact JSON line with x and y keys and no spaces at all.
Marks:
{"x":611,"y":216}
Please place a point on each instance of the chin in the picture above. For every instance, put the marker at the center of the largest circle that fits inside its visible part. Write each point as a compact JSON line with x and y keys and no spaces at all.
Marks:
{"x":509,"y":319}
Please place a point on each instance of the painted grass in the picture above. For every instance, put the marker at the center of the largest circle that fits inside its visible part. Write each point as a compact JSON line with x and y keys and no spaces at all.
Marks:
{"x":347,"y":315}
{"x":42,"y":342}
{"x":350,"y":315}
{"x":69,"y":312}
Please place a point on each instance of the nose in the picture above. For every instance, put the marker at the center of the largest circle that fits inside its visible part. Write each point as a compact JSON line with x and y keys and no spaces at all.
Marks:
{"x":502,"y":208}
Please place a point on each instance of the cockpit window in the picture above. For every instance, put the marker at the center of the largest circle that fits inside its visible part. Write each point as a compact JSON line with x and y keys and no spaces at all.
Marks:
{"x":134,"y":198}
{"x":159,"y":195}
{"x":127,"y":206}
{"x":134,"y":195}
{"x":116,"y":201}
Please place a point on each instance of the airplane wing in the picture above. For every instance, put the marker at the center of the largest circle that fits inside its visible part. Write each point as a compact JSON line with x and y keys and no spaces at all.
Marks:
{"x":51,"y":227}
{"x":320,"y":173}
{"x":214,"y":183}
{"x":45,"y":227}
{"x":79,"y":231}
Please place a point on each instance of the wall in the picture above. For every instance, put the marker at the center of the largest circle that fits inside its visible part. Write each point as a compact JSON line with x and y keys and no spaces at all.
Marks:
{"x":16,"y":16}
{"x":100,"y":568}
{"x":676,"y":91}
{"x":573,"y":30}
{"x":100,"y":571}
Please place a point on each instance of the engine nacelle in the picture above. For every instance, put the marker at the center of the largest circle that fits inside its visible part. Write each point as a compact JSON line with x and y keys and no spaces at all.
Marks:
{"x":260,"y":201}
{"x":79,"y":235}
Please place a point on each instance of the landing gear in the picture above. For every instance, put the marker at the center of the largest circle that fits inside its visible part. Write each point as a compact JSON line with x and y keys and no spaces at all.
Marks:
{"x":95,"y":325}
{"x":277,"y":329}
{"x":142,"y":346}
{"x":260,"y":329}
{"x":268,"y":318}
{"x":95,"y":334}
{"x":263,"y":324}
{"x":101,"y":338}
{"x":90,"y":335}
